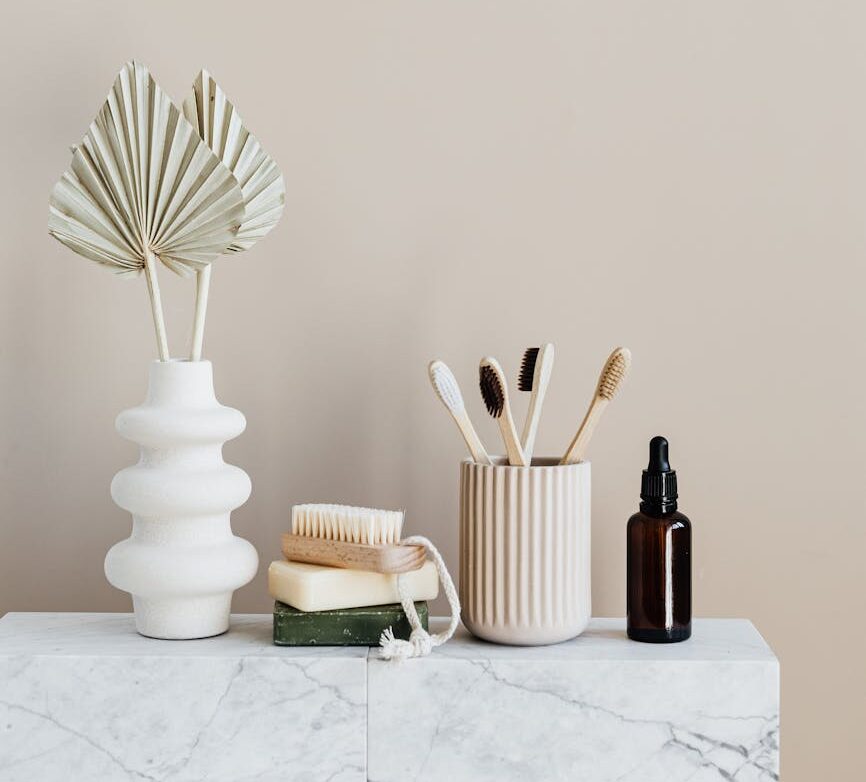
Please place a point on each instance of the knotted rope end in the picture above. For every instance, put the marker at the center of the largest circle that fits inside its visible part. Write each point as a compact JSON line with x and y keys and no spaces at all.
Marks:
{"x":420,"y":642}
{"x":393,"y":648}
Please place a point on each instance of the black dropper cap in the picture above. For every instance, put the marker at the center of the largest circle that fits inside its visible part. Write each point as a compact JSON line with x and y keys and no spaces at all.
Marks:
{"x":658,"y":486}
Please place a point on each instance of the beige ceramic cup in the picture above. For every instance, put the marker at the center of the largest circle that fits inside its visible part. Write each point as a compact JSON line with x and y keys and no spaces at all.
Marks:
{"x":525,"y":551}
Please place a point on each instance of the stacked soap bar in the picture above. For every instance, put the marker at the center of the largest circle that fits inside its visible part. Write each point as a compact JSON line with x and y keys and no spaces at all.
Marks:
{"x":319,"y":588}
{"x":342,"y":626}
{"x":335,"y":606}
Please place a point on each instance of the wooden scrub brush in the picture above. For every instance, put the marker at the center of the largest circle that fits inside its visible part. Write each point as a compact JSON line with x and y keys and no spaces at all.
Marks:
{"x":347,"y":537}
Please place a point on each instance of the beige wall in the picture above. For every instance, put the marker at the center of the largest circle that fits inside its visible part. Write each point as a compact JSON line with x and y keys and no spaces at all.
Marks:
{"x":688,"y":179}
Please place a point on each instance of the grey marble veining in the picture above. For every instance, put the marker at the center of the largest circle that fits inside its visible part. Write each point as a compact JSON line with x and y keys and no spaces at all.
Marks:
{"x":598,"y":708}
{"x":84,"y":697}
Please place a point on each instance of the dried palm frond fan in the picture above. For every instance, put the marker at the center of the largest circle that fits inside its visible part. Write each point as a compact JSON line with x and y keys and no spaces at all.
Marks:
{"x":144,"y":186}
{"x":264,"y":192}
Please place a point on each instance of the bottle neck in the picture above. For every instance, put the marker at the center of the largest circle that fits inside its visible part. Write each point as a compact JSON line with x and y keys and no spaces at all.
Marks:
{"x":657,"y":507}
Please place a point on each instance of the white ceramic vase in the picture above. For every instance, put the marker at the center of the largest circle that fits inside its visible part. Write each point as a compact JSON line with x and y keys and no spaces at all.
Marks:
{"x":182,"y":562}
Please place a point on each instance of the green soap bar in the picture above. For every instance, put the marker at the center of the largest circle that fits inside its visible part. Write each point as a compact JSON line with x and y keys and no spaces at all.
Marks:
{"x":343,"y":627}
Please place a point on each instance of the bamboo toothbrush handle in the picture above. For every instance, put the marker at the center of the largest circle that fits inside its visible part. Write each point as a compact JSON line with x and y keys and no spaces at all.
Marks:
{"x":577,"y":450}
{"x":516,"y":457}
{"x":473,"y":443}
{"x":530,"y":426}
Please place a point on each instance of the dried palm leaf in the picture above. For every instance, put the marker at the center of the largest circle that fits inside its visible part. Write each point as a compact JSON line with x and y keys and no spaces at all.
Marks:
{"x":221,"y":128}
{"x":144,"y":187}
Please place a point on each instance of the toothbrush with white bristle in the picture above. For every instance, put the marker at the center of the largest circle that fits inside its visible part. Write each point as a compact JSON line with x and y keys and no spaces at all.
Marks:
{"x":535,"y":374}
{"x":494,"y":390}
{"x":446,"y":388}
{"x":609,"y":382}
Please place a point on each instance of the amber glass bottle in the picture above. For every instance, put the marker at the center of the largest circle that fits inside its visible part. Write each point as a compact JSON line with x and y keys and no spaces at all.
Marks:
{"x":658,"y":568}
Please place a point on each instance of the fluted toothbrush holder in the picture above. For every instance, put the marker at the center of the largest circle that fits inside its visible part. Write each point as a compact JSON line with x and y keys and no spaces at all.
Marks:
{"x":525,"y":535}
{"x":182,"y":562}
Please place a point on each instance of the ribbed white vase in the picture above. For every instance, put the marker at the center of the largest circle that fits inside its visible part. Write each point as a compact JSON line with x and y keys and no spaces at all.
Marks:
{"x":525,"y":551}
{"x":182,"y":563}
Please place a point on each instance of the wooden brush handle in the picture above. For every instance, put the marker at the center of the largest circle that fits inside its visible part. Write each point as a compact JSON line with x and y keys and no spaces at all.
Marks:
{"x":516,"y":457}
{"x":540,"y":380}
{"x":354,"y":556}
{"x":533,"y":416}
{"x":577,"y":450}
{"x":530,"y":426}
{"x":473,"y":443}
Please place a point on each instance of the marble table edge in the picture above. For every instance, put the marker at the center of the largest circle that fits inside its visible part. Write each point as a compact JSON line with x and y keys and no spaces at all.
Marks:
{"x":714,"y":639}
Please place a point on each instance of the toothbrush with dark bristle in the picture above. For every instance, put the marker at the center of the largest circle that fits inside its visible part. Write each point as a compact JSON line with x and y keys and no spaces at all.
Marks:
{"x":494,"y":391}
{"x":534,"y":377}
{"x":609,"y":382}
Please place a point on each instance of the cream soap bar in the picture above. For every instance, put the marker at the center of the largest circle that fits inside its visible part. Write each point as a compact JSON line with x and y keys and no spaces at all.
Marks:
{"x":319,"y":588}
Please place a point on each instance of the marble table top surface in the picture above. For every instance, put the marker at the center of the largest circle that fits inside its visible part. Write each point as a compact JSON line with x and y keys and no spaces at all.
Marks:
{"x":84,"y":634}
{"x":84,"y":696}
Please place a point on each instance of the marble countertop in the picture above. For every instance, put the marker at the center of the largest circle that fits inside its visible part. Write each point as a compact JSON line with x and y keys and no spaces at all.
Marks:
{"x":83,"y":696}
{"x":250,"y":635}
{"x":85,"y":635}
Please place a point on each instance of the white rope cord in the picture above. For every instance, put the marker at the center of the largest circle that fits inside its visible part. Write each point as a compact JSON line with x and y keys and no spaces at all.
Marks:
{"x":420,"y":642}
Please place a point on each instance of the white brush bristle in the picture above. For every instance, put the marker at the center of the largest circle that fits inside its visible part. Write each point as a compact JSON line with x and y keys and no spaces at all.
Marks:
{"x":347,"y":523}
{"x":446,"y":386}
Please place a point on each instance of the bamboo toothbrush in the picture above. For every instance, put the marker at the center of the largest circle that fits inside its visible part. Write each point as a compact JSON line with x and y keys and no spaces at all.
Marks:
{"x":494,"y":390}
{"x":347,"y":537}
{"x":609,"y":382}
{"x":534,"y":376}
{"x":446,"y":388}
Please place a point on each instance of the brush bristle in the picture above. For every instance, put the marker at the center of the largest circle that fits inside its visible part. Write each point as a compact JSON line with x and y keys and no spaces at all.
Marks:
{"x":527,"y":369}
{"x":614,"y":373}
{"x":347,"y":523}
{"x":491,"y":390}
{"x":445,"y":385}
